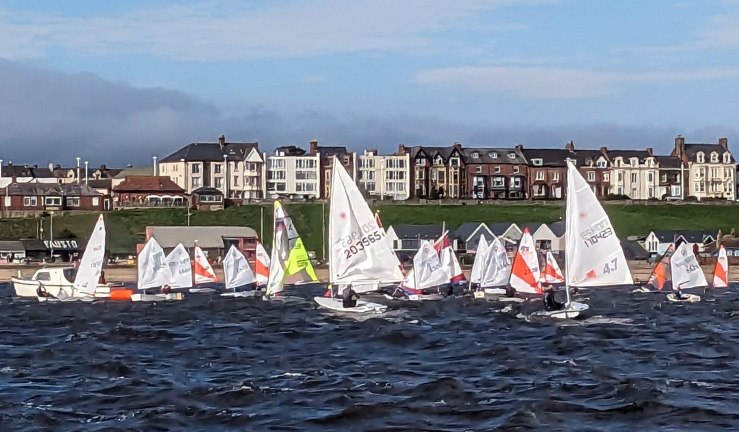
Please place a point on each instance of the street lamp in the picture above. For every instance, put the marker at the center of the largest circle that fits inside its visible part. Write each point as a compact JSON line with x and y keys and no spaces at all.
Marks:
{"x":86,"y":162}
{"x":51,"y":234}
{"x":78,"y":169}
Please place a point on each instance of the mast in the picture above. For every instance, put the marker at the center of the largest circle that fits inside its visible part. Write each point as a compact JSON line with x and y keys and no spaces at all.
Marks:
{"x":568,"y":197}
{"x":330,"y":207}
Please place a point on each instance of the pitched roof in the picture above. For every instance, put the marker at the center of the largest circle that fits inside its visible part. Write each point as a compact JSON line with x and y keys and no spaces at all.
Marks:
{"x":211,"y":152}
{"x":100,"y":183}
{"x":207,"y":191}
{"x":558,"y":228}
{"x":289,"y":151}
{"x":26,"y":171}
{"x":468,"y":229}
{"x":209,"y":237}
{"x":531,"y":226}
{"x":134,"y":172}
{"x":633,"y":250}
{"x":549,"y":157}
{"x":327,"y":152}
{"x":50,"y":189}
{"x":689,"y":236}
{"x":431,"y":152}
{"x":642,"y":155}
{"x":692,"y":150}
{"x":148,"y":184}
{"x":485,"y":156}
{"x":669,"y":161}
{"x":585,"y":156}
{"x":424,"y":232}
{"x":499,"y":228}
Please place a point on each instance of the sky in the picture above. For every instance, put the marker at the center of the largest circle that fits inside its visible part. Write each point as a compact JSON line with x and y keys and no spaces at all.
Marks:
{"x":118,"y":82}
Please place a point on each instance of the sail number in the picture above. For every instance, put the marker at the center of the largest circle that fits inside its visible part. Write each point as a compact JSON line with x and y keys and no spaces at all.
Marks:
{"x":362,"y":243}
{"x":611,"y":266}
{"x":596,"y":232}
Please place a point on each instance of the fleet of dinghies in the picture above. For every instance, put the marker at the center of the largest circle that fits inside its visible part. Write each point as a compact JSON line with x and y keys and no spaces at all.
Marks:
{"x":361,"y":257}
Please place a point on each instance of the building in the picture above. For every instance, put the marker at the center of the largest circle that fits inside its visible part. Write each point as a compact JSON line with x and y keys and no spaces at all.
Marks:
{"x":438,"y":172}
{"x":24,"y":174}
{"x":634,"y":173}
{"x":468,"y":236}
{"x":409,"y":237}
{"x":498,"y":173}
{"x":384,"y":177}
{"x":593,"y":165}
{"x":235,"y":168}
{"x":547,"y":172}
{"x":69,"y":175}
{"x":657,"y":242}
{"x":26,"y":199}
{"x":214,"y":240}
{"x":148,"y":191}
{"x":292,"y":173}
{"x":327,"y":154}
{"x":130,"y":171}
{"x":671,"y":177}
{"x":711,"y":169}
{"x":207,"y":199}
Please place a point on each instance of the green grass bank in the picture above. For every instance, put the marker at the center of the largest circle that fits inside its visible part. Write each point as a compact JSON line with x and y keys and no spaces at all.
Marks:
{"x":126,"y":227}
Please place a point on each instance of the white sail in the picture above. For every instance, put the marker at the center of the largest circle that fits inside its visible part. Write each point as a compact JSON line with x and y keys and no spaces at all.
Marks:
{"x":289,"y":262}
{"x":359,"y":250}
{"x":201,"y":267}
{"x":236,"y":269}
{"x":179,"y":267}
{"x":594,"y":253}
{"x":427,"y":269}
{"x":497,"y":266}
{"x":552,"y":273}
{"x":525,"y":272}
{"x":91,"y":264}
{"x":261,"y":265}
{"x":686,"y":271}
{"x":480,"y":256}
{"x":153,"y":271}
{"x":721,"y":271}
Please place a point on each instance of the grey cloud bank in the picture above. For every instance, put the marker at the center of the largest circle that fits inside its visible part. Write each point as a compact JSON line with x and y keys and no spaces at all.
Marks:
{"x":48,"y":116}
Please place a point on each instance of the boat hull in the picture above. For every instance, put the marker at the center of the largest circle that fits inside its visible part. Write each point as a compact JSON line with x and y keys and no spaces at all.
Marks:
{"x":571,"y":311}
{"x":28,"y":288}
{"x":361,"y":307}
{"x":687,"y":298}
{"x":141,"y":297}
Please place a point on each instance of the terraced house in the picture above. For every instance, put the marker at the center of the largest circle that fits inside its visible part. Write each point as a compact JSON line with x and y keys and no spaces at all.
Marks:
{"x":437,"y":171}
{"x":635,"y":173}
{"x":499,"y":173}
{"x":711,"y":169}
{"x":291,"y":172}
{"x":384,"y":176}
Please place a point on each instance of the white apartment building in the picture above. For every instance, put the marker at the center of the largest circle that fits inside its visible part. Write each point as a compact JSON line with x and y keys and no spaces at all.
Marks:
{"x":384,"y":177}
{"x":293,"y":173}
{"x":634,"y":173}
{"x":235,"y":169}
{"x":711,"y":169}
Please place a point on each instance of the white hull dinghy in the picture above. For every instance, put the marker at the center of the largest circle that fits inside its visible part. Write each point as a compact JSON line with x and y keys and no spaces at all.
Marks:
{"x":154,"y":273}
{"x":686,"y":274}
{"x":427,"y":275}
{"x":496,"y":270}
{"x":570,"y":311}
{"x":359,"y":253}
{"x":686,"y":298}
{"x":238,"y":274}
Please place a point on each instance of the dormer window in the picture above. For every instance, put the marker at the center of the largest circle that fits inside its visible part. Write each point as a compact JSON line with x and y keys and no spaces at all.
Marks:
{"x":602,"y":163}
{"x":537,"y":162}
{"x":714,"y":157}
{"x":475,"y":155}
{"x":727,"y":157}
{"x":421,"y":161}
{"x":493,"y":155}
{"x":634,"y":162}
{"x":700,"y":157}
{"x":438,"y":160}
{"x":511,"y":155}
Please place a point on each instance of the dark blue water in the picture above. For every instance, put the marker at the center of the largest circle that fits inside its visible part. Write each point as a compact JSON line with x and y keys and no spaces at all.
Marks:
{"x":212,"y":364}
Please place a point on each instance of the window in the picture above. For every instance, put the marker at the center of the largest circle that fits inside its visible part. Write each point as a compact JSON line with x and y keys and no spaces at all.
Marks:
{"x":728,"y":173}
{"x":8,"y":201}
{"x":497,"y":168}
{"x":633,"y":177}
{"x":454,"y":162}
{"x":370,"y":186}
{"x":196,"y":182}
{"x":219,"y":183}
{"x":310,"y":163}
{"x":30,"y":201}
{"x":475,"y":155}
{"x":620,"y":177}
{"x":420,"y":174}
{"x":606,"y":177}
{"x":394,"y":175}
{"x":236,"y":180}
{"x":493,"y":155}
{"x":367,"y":162}
{"x":236,"y":166}
{"x":515,"y":182}
{"x":43,"y":276}
{"x":395,"y":163}
{"x":252,"y":166}
{"x":305,"y":187}
{"x":539,"y":175}
{"x":276,"y":186}
{"x":498,"y":181}
{"x":727,"y":157}
{"x":210,"y":198}
{"x":311,"y":175}
{"x":421,"y":161}
{"x":438,"y":160}
{"x":53,"y":201}
{"x":537,"y":162}
{"x":441,"y":176}
{"x":511,"y":155}
{"x":73,"y":201}
{"x":591,"y":176}
{"x":346,"y":160}
{"x":328,"y":175}
{"x":634,"y":162}
{"x":714,"y":157}
{"x":276,"y":175}
{"x":714,"y":172}
{"x":650,"y":177}
{"x":196,"y":168}
{"x":218,"y":168}
{"x":478,"y":169}
{"x":276,"y":163}
{"x":700,"y":157}
{"x":555,"y":176}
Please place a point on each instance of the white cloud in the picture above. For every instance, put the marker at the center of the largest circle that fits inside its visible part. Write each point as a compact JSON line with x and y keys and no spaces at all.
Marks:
{"x":227,"y":30}
{"x":552,"y":82}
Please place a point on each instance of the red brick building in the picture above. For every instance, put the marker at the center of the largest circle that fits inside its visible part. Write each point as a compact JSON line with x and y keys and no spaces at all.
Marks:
{"x":148,"y":191}
{"x":327,"y":153}
{"x":498,"y":173}
{"x":24,"y":199}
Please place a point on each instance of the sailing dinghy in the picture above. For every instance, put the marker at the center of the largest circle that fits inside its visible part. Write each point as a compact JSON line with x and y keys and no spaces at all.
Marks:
{"x":153,"y":273}
{"x":449,"y":260}
{"x":238,"y":274}
{"x":180,"y":268}
{"x":203,"y":272}
{"x":289,"y":263}
{"x":427,"y":275}
{"x":496,"y":271}
{"x":261,"y":265}
{"x":721,"y":271}
{"x":552,"y":274}
{"x":478,"y":267}
{"x":661,"y":276}
{"x":686,"y":273}
{"x":359,"y":253}
{"x":594,"y":257}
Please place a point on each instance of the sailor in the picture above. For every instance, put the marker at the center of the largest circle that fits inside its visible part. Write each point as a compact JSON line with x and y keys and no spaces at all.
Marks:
{"x":550,"y":302}
{"x":510,"y":291}
{"x":166,"y":289}
{"x":349,"y":297}
{"x":679,"y":294}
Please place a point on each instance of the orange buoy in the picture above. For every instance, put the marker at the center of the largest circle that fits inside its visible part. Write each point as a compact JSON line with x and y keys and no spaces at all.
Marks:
{"x":121,"y":294}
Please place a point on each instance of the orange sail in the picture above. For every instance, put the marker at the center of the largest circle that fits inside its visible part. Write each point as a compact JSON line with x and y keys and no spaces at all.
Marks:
{"x":661,"y":273}
{"x":721,"y":272}
{"x":552,"y":273}
{"x":525,"y":271}
{"x":201,"y":268}
{"x":261,"y":265}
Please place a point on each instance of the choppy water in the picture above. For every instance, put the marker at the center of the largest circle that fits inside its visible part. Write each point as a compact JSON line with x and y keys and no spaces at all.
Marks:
{"x":216,"y":364}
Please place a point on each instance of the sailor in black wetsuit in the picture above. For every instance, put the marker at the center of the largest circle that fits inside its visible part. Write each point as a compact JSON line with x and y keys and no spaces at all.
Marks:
{"x":349,"y":297}
{"x":550,"y":302}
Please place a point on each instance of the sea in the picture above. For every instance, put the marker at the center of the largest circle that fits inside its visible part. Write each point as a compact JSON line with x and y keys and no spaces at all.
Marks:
{"x":635,"y":362}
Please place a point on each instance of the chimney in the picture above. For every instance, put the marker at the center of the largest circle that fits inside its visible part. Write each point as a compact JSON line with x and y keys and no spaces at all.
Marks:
{"x":51,"y":166}
{"x":401,"y":149}
{"x":679,"y":146}
{"x":570,"y":146}
{"x":519,"y":148}
{"x":156,"y":173}
{"x":724,"y":142}
{"x":458,"y":145}
{"x":650,"y":151}
{"x":222,"y":141}
{"x":313,"y":147}
{"x":604,"y":150}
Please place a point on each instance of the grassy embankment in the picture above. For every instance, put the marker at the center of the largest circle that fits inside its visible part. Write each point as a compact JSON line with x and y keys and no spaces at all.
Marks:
{"x":126,"y":228}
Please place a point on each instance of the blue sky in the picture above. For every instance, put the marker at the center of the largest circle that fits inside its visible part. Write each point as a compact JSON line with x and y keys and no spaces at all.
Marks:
{"x":368,"y":73}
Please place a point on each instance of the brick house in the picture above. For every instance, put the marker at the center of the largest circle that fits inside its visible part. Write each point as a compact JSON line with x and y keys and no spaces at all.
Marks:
{"x":327,"y":153}
{"x":25,"y":174}
{"x":207,"y":199}
{"x":148,"y":191}
{"x":437,"y":171}
{"x":26,"y":199}
{"x":671,"y":177}
{"x":547,"y":172}
{"x":594,"y":166}
{"x":498,"y":173}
